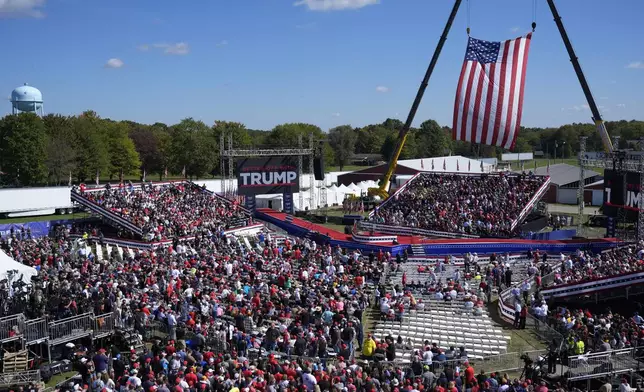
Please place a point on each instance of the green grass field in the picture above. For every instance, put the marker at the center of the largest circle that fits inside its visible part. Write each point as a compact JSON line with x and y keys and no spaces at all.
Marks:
{"x":530,"y":165}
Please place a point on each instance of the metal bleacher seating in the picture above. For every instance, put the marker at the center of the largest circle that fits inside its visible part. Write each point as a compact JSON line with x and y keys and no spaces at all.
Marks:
{"x":447,"y":323}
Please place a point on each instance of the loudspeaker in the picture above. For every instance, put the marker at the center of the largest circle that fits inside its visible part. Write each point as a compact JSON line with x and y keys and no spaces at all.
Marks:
{"x":318,"y":168}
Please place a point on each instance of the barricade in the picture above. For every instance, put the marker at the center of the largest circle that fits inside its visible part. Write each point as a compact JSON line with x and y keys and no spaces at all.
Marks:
{"x":11,"y":327}
{"x":598,"y":364}
{"x":71,"y":328}
{"x":494,"y":363}
{"x":8,"y":380}
{"x":36,"y":331}
{"x":104,"y":325}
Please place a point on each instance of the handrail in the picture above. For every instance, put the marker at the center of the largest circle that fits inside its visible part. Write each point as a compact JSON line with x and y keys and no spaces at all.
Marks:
{"x":394,"y":195}
{"x":528,"y":207}
{"x":77,"y":197}
{"x":507,"y":312}
{"x":405,"y":230}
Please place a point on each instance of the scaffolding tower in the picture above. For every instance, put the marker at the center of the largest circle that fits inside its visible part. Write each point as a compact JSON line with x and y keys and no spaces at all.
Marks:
{"x":230,"y":154}
{"x":619,"y":161}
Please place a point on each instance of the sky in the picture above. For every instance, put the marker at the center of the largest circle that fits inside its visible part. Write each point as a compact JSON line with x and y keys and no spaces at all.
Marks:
{"x":325,"y":62}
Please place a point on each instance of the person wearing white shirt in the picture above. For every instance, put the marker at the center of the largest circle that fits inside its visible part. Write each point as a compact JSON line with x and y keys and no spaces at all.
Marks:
{"x":427,"y":356}
{"x":517,"y":313}
{"x":172,"y":326}
{"x":309,"y":380}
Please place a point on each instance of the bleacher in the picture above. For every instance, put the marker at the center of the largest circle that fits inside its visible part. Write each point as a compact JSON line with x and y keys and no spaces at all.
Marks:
{"x":448,"y":323}
{"x":118,"y":212}
{"x":432,"y":204}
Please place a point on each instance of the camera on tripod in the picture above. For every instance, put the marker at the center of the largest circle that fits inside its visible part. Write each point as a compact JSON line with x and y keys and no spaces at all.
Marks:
{"x":527,"y":361}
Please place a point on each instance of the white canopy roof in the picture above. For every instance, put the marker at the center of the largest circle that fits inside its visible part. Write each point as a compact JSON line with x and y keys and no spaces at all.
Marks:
{"x":7,"y":264}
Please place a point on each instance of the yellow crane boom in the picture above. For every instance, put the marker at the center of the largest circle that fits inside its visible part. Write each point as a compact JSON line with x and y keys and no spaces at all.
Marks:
{"x":383,"y":189}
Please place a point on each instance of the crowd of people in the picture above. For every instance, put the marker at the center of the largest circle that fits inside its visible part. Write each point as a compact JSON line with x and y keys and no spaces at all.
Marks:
{"x":284,"y":314}
{"x":583,"y":267}
{"x":597,"y":331}
{"x":282,"y":317}
{"x":168,"y":210}
{"x":479,"y":205}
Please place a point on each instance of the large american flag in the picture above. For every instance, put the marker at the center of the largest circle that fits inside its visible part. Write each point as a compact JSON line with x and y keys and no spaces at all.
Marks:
{"x":489,"y":98}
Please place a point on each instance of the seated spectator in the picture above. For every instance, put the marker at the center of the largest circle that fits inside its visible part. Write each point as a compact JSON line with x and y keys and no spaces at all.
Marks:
{"x":167,"y":211}
{"x":584,"y":266}
{"x":478,"y":205}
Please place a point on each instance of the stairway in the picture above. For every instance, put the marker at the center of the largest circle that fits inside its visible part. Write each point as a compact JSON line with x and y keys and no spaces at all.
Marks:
{"x":108,"y":216}
{"x":417,"y":250}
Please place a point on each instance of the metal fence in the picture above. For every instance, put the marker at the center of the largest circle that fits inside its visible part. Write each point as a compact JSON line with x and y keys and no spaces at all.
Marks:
{"x":71,"y":328}
{"x":36,"y":331}
{"x":508,"y":362}
{"x":104,"y":325}
{"x":8,"y":380}
{"x":11,"y":327}
{"x":594,"y":365}
{"x":540,"y":328}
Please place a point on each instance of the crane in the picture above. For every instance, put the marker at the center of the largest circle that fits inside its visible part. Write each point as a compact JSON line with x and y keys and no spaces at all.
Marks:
{"x":383,"y":189}
{"x":597,"y":118}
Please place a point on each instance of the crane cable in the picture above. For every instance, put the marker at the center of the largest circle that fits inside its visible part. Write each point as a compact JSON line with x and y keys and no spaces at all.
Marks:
{"x":468,"y":18}
{"x":534,"y":15}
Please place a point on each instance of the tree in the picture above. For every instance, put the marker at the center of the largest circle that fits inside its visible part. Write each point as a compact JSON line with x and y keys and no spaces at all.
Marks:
{"x":91,"y":150}
{"x":61,"y":154}
{"x":193,"y":147}
{"x":342,"y":140}
{"x":146,"y":143}
{"x":23,"y":143}
{"x":370,"y":139}
{"x":393,"y":124}
{"x":432,"y":140}
{"x":241,"y":137}
{"x":409,"y":150}
{"x":123,"y":157}
{"x":286,"y":135}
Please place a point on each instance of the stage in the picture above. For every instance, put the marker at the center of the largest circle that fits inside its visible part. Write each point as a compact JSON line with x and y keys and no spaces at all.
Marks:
{"x":366,"y":241}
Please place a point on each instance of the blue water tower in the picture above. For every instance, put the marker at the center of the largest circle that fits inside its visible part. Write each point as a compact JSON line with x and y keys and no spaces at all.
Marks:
{"x":26,"y":99}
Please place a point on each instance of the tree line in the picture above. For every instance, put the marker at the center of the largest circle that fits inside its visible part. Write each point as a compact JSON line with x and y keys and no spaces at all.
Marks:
{"x":52,"y":149}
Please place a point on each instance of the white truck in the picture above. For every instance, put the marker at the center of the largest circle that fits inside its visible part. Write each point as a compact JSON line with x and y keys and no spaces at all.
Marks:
{"x":17,"y":202}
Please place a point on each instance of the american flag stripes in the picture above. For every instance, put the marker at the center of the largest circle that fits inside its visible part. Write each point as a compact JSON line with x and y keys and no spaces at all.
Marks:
{"x":489,"y":97}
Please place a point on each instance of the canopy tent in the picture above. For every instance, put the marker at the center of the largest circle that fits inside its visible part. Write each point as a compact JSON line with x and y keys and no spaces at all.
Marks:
{"x":364,"y":186}
{"x":11,"y":268}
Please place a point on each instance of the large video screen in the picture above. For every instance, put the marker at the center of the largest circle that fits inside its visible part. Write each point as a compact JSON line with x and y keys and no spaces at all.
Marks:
{"x":262,"y":176}
{"x":621,"y":192}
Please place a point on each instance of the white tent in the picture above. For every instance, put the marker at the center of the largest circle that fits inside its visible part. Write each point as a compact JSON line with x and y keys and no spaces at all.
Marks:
{"x":7,"y":264}
{"x":354,"y":189}
{"x":363,"y":185}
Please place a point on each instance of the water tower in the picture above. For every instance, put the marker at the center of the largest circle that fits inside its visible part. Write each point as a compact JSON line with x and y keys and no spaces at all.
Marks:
{"x":26,"y":99}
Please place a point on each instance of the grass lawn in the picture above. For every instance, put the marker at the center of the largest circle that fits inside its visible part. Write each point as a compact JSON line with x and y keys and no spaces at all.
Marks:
{"x":42,"y":218}
{"x":529,"y":165}
{"x":60,"y":378}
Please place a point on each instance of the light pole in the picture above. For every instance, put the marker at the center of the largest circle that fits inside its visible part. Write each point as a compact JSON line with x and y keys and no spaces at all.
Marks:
{"x":563,"y":151}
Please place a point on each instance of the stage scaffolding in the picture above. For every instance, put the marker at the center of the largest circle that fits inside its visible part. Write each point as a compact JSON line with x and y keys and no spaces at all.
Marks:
{"x":617,"y":160}
{"x":228,"y":156}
